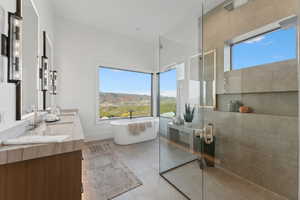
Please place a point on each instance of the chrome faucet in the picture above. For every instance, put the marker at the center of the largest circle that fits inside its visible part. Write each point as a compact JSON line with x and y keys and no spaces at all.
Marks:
{"x":130,"y":114}
{"x":36,"y":121}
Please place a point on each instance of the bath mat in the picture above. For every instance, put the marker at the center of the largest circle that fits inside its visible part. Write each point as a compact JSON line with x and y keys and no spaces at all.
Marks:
{"x":105,"y":176}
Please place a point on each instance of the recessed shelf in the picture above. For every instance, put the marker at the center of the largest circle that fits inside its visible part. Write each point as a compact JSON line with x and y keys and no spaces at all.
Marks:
{"x":261,"y":92}
{"x":258,"y":114}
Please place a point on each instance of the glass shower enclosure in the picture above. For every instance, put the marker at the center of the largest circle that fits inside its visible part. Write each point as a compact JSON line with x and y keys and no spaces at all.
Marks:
{"x":233,"y":70}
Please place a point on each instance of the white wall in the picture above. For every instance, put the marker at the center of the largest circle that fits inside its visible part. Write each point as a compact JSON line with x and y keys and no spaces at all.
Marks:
{"x":7,"y":91}
{"x":79,"y":50}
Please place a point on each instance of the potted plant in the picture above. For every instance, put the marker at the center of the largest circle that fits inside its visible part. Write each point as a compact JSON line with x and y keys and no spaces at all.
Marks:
{"x":189,"y":115}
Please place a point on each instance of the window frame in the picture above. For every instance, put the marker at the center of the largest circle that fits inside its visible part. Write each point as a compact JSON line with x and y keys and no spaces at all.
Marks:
{"x":170,"y":68}
{"x":228,"y":53}
{"x":98,"y":107}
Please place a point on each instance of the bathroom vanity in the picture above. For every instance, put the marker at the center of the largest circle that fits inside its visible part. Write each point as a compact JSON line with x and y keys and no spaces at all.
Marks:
{"x":45,"y":171}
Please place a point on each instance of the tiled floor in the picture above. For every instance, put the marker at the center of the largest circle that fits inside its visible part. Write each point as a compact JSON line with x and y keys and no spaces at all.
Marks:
{"x":143,"y":160}
{"x":217,"y":184}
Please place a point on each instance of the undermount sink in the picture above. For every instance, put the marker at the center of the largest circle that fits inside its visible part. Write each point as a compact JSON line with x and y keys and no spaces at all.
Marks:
{"x":36,"y":139}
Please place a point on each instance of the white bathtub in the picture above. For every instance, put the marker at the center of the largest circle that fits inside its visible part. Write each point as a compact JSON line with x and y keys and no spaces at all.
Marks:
{"x":123,"y":136}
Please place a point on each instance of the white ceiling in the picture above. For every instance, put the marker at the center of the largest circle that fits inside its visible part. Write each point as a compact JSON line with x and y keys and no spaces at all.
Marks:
{"x":143,"y":19}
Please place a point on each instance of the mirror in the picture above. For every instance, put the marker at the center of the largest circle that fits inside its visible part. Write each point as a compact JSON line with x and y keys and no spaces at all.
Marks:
{"x":203,"y":79}
{"x":209,"y":79}
{"x":30,"y":45}
{"x":2,"y":27}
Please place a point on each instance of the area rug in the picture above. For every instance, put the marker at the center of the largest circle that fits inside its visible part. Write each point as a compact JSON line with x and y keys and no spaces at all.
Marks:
{"x":105,"y":176}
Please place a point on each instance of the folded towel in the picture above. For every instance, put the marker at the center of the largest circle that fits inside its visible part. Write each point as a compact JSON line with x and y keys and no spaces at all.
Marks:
{"x":133,"y":128}
{"x":142,"y":127}
{"x":35,"y":140}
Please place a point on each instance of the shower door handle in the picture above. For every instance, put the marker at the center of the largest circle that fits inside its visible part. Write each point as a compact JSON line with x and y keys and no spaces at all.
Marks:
{"x":208,"y":134}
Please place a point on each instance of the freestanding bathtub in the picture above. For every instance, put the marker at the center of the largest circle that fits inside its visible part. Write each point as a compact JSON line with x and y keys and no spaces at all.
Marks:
{"x":123,"y":135}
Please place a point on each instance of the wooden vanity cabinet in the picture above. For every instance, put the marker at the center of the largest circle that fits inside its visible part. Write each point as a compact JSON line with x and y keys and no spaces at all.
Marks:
{"x":55,"y":177}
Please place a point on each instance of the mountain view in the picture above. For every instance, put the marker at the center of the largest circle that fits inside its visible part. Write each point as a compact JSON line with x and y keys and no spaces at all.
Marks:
{"x":119,"y":105}
{"x":121,"y":91}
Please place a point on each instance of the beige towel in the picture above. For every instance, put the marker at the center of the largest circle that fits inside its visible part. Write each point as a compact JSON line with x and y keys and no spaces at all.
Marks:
{"x":133,"y":128}
{"x":142,"y":127}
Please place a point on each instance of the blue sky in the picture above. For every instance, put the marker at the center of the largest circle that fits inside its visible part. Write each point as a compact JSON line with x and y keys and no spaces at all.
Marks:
{"x":272,"y":47}
{"x":119,"y":81}
{"x":168,"y":83}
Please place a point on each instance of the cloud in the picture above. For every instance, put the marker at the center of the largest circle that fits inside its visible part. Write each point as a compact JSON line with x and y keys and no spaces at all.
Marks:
{"x":278,"y":57}
{"x":171,"y":93}
{"x":115,"y":70}
{"x":254,"y":40}
{"x":267,"y":43}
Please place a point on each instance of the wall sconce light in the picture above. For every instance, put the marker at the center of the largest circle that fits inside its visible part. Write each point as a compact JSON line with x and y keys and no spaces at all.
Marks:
{"x":13,"y":45}
{"x":44,"y":69}
{"x":15,"y":48}
{"x":44,"y":73}
{"x":53,"y":81}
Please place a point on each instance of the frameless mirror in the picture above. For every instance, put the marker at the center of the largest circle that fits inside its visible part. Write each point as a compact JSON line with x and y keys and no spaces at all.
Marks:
{"x":2,"y":26}
{"x":30,"y":45}
{"x":209,"y":79}
{"x":203,"y":79}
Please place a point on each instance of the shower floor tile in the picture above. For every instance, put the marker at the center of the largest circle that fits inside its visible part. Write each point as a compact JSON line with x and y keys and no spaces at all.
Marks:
{"x":217,"y":183}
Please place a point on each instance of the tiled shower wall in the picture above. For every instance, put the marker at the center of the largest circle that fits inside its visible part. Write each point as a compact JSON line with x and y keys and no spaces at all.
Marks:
{"x":260,"y":148}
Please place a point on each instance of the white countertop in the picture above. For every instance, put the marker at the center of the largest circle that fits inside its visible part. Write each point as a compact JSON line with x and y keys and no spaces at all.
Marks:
{"x":68,"y":125}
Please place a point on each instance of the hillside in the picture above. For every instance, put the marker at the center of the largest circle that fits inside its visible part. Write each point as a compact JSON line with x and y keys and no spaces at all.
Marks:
{"x":116,"y":99}
{"x":119,"y":105}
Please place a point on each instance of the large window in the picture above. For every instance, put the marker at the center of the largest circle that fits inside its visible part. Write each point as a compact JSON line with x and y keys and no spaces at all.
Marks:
{"x":275,"y":46}
{"x":124,"y":92}
{"x":168,"y":93}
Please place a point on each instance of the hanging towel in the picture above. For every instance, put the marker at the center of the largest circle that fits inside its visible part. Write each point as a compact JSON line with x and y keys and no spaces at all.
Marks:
{"x":142,"y":127}
{"x":133,"y":128}
{"x":35,"y":140}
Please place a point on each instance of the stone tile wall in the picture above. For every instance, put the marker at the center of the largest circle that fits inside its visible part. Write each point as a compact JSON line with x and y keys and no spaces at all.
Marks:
{"x":260,"y":148}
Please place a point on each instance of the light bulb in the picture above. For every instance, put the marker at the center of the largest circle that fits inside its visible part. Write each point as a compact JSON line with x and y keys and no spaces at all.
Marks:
{"x":17,"y":54}
{"x":17,"y":45}
{"x":17,"y":23}
{"x":17,"y":76}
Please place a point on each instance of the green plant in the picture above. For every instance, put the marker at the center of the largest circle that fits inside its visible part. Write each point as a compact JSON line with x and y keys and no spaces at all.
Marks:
{"x":189,"y":113}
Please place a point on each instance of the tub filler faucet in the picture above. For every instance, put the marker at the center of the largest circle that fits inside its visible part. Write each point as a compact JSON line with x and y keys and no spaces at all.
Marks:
{"x":130,"y":114}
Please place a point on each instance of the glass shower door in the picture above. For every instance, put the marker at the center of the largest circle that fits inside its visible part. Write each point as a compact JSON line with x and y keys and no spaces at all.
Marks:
{"x":179,"y":99}
{"x":253,"y":153}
